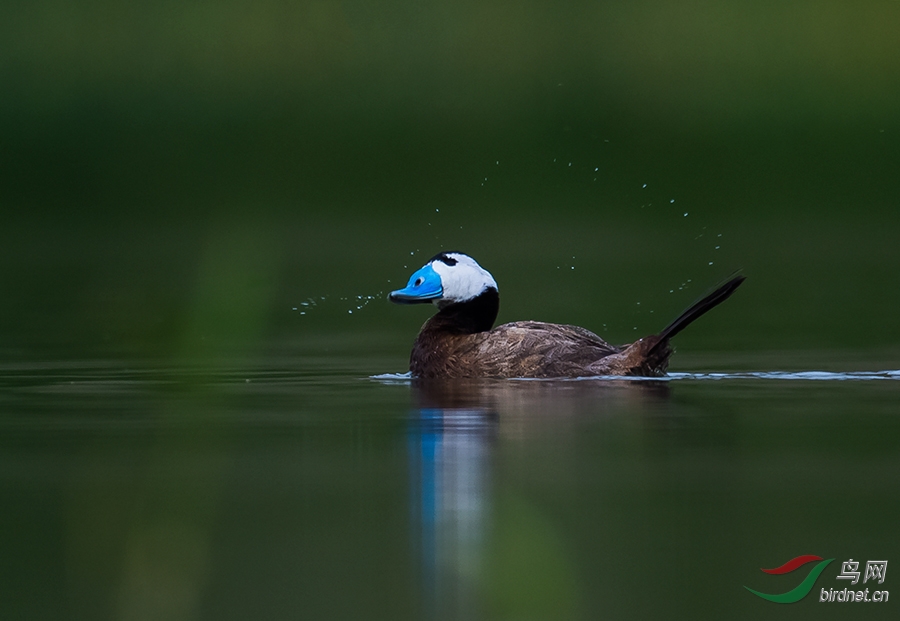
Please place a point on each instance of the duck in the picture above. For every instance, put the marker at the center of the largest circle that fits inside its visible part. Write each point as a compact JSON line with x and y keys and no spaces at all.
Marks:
{"x":460,"y":340}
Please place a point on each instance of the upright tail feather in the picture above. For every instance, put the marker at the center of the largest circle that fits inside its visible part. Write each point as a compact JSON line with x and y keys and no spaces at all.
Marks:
{"x":700,"y":307}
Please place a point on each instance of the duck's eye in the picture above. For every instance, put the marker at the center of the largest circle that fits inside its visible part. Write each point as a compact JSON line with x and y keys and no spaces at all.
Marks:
{"x":419,"y":281}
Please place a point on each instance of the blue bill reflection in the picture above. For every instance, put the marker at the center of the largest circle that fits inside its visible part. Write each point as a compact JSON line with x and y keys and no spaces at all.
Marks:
{"x":450,"y":477}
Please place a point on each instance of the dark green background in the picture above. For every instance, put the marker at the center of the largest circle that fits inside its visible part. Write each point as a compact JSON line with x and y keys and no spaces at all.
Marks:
{"x":176,"y":441}
{"x":177,"y":171}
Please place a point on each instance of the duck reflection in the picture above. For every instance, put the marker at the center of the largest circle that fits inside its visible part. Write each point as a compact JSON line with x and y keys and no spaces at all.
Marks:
{"x":452,"y":430}
{"x":450,"y":434}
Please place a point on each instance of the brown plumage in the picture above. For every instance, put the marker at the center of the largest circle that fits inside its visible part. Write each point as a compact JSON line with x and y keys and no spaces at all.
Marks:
{"x":530,"y":349}
{"x":458,"y":341}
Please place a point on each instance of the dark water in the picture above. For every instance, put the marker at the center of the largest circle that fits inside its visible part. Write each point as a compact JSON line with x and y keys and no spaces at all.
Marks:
{"x":302,"y":487}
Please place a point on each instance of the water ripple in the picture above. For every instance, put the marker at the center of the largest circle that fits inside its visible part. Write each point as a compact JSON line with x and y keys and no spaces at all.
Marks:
{"x":817,"y":376}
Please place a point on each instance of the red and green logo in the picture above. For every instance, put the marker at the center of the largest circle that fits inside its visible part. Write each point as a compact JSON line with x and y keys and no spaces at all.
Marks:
{"x":801,"y":590}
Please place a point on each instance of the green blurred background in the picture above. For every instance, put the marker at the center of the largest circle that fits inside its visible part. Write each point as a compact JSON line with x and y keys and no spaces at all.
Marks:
{"x":177,"y":177}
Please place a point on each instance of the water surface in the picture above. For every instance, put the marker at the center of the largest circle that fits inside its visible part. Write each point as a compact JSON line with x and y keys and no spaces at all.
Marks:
{"x":305,"y":487}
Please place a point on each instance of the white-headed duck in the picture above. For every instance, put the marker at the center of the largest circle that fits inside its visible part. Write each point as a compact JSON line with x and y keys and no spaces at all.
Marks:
{"x":459,"y":340}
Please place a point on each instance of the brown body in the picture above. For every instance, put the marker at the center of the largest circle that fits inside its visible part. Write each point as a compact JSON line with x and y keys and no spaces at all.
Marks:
{"x":531,"y":349}
{"x":458,"y":342}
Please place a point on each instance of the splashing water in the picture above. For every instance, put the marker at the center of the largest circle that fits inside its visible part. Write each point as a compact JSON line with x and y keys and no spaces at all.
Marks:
{"x":359,"y":302}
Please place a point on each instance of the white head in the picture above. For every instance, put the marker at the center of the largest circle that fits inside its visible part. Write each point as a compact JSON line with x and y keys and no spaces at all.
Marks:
{"x":448,"y":278}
